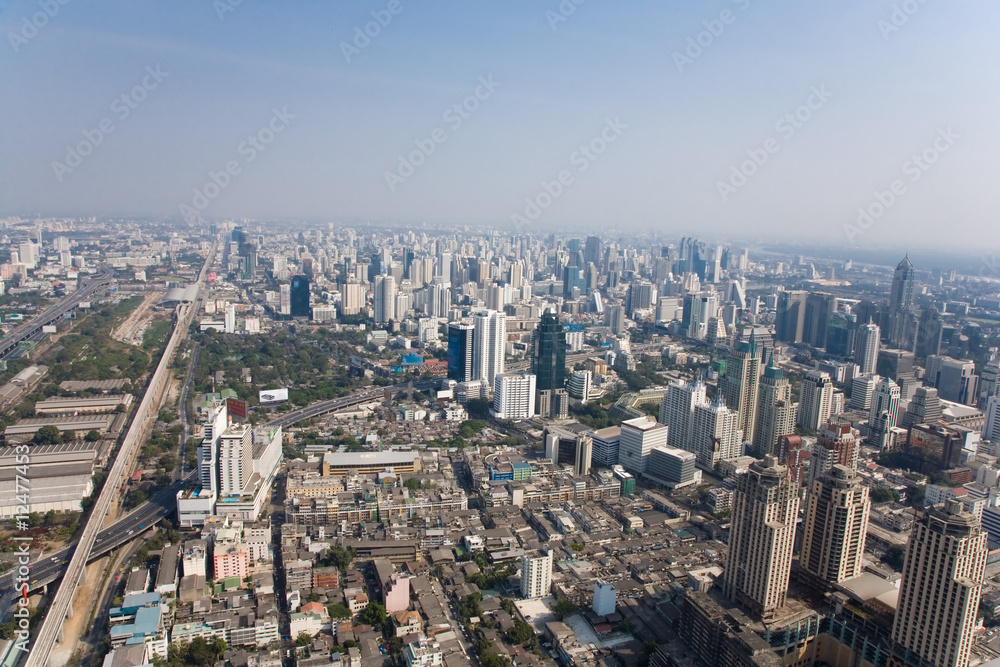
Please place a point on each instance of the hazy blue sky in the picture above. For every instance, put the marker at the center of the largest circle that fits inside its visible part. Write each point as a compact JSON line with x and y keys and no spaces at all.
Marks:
{"x":682,"y":125}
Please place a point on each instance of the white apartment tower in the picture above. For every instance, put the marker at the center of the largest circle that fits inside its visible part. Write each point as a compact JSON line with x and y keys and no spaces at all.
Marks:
{"x":514,"y":396}
{"x":765,"y":509}
{"x":489,"y":344}
{"x":866,"y":345}
{"x":385,"y":299}
{"x":716,"y":434}
{"x":836,"y":526}
{"x":942,"y":581}
{"x":677,"y":411}
{"x":235,"y":459}
{"x":884,"y":413}
{"x":536,"y":574}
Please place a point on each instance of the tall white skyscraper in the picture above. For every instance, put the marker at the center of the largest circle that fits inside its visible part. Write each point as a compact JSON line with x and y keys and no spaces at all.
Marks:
{"x":941,"y":585}
{"x":235,"y":459}
{"x":716,"y":435}
{"x":385,"y":299}
{"x":762,"y":536}
{"x":489,"y":345}
{"x":866,"y":344}
{"x":230,"y":318}
{"x":213,"y":427}
{"x":677,"y":411}
{"x":536,"y":574}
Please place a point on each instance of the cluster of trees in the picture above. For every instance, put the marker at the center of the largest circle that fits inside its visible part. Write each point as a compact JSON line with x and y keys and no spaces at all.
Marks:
{"x":198,"y":653}
{"x":338,"y":557}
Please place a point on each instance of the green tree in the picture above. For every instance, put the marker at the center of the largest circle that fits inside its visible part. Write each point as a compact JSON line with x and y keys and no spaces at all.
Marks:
{"x":339,"y":557}
{"x":339,"y":611}
{"x":92,"y":436}
{"x":563,"y":608}
{"x":894,"y":556}
{"x":374,"y":615}
{"x":521,"y":633}
{"x":47,"y":435}
{"x":880,"y":494}
{"x":413,"y":483}
{"x":303,"y":639}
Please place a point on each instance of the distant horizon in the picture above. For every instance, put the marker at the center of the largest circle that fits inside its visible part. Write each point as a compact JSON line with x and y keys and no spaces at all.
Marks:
{"x":805,"y":124}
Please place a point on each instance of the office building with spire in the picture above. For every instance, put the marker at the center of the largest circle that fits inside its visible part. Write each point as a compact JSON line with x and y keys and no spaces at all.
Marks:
{"x":902,"y":321}
{"x":761,"y":539}
{"x":775,"y":411}
{"x":836,"y":526}
{"x":940,"y":589}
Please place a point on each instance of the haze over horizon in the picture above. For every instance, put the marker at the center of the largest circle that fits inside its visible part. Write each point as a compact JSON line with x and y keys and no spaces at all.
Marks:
{"x":667,"y":120}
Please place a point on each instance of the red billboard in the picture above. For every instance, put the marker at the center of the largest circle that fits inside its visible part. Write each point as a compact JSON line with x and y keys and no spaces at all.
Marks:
{"x":236,"y":408}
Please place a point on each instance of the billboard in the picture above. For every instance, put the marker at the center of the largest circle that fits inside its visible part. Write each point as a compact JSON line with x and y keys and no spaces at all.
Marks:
{"x":236,"y":408}
{"x":269,"y":396}
{"x":49,"y":328}
{"x":412,"y":360}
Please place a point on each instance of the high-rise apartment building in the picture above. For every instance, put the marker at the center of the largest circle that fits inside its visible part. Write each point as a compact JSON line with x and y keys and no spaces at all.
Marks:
{"x":833,"y":543}
{"x":514,"y":396}
{"x":942,"y":580}
{"x":489,"y":346}
{"x":955,"y":379}
{"x":991,"y":428}
{"x":815,"y":400}
{"x":536,"y":574}
{"x":775,"y":414}
{"x":235,"y":459}
{"x":567,"y":447}
{"x":741,"y":383}
{"x":638,"y":436}
{"x":866,"y":346}
{"x":838,"y":443}
{"x":765,"y":510}
{"x":716,"y":435}
{"x":385,"y":299}
{"x":677,"y":411}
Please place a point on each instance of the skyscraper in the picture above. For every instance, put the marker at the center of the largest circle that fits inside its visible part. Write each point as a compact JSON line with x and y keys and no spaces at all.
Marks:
{"x":716,"y":435}
{"x":939,"y":592}
{"x":884,"y":413}
{"x":866,"y":347}
{"x":235,"y":459}
{"x":838,"y":443}
{"x":461,"y":338}
{"x":775,"y":415}
{"x":299,"y":297}
{"x":836,"y":526}
{"x":514,"y":396}
{"x":385,"y":299}
{"x":592,"y":250}
{"x":765,"y":510}
{"x":489,"y":346}
{"x":991,"y":428}
{"x":548,"y":354}
{"x":902,"y":326}
{"x":677,"y":411}
{"x":790,"y":318}
{"x":742,"y":381}
{"x":815,"y":400}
